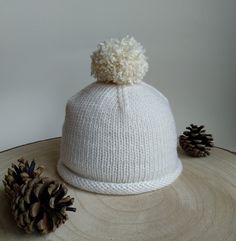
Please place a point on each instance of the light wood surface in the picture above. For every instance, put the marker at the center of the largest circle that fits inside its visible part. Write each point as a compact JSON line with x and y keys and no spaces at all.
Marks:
{"x":199,"y":206}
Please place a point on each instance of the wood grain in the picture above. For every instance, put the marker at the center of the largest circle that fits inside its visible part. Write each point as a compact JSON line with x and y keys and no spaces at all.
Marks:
{"x":199,"y":206}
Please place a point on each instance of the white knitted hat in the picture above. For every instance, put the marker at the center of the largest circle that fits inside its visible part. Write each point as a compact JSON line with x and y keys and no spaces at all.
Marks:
{"x":119,"y":134}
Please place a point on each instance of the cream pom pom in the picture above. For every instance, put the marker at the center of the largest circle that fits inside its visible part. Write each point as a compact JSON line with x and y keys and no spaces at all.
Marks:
{"x":119,"y":61}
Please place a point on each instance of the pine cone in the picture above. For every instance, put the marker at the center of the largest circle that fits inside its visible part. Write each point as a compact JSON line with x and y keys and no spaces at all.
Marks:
{"x":37,"y":203}
{"x":196,"y":142}
{"x":21,"y":173}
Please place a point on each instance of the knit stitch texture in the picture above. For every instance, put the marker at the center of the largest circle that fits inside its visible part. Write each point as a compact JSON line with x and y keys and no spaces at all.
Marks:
{"x":119,"y":139}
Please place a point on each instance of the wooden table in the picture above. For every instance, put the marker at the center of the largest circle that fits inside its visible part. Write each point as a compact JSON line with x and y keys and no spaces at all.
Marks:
{"x":200,"y":205}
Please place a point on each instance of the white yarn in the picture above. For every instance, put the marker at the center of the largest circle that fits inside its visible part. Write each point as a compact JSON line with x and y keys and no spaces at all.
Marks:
{"x":119,"y":61}
{"x":119,"y":139}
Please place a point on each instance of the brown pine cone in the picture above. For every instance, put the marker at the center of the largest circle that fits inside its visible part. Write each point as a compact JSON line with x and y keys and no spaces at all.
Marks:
{"x":37,"y":203}
{"x":196,"y":142}
{"x":41,"y":205}
{"x":19,"y":175}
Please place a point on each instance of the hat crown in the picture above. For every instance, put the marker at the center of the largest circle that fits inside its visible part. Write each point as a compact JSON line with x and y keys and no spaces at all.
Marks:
{"x":119,"y":139}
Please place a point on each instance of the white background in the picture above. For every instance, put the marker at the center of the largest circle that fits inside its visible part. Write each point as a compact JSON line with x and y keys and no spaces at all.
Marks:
{"x":45,"y":49}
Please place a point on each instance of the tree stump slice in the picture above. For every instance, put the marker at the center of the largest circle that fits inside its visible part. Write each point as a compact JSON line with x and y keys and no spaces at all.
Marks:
{"x":199,"y":206}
